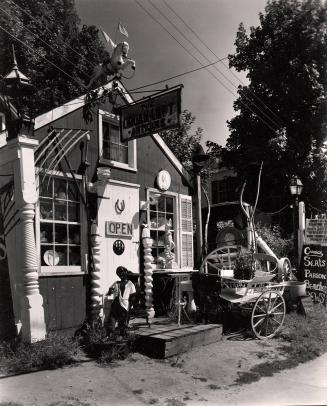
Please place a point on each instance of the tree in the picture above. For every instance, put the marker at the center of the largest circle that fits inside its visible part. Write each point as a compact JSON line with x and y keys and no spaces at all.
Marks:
{"x":181,"y":141}
{"x":51,"y":48}
{"x":285,"y":61}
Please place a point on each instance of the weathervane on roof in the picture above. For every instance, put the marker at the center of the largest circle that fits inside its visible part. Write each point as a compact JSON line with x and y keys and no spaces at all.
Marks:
{"x":117,"y":61}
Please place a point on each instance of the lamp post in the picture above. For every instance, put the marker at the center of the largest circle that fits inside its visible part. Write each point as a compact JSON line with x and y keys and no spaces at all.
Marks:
{"x":17,"y":87}
{"x":199,"y":158}
{"x":296,"y":188}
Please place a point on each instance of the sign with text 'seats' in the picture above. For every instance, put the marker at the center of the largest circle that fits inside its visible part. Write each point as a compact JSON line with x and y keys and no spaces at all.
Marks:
{"x":314,"y":271}
{"x":151,"y":115}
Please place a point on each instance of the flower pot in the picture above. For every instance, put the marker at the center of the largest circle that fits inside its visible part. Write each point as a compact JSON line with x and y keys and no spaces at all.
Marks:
{"x":294,"y":289}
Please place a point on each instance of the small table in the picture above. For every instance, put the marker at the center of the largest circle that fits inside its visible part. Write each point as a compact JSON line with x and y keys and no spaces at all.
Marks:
{"x":178,"y":275}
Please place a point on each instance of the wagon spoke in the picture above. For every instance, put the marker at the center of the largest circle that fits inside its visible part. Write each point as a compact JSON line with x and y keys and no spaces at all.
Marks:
{"x":259,"y":321}
{"x":276,"y":321}
{"x":263,"y":310}
{"x":276,"y":307}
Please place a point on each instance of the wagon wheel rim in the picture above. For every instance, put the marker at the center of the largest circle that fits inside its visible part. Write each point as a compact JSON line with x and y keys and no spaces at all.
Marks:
{"x":219,"y":258}
{"x":268,"y":314}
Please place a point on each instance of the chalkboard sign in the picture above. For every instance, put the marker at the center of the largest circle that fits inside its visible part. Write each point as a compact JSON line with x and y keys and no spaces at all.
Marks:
{"x":314,"y":271}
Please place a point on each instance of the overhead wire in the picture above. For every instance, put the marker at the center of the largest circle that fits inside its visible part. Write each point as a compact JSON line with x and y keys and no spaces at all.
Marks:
{"x":194,"y":57}
{"x":226,"y":66}
{"x":215,"y":67}
{"x":81,"y":84}
{"x":49,"y":31}
{"x":41,"y":56}
{"x":44,"y":42}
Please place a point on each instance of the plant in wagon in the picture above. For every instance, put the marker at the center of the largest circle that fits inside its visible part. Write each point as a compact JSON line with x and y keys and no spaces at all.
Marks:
{"x":244,"y":267}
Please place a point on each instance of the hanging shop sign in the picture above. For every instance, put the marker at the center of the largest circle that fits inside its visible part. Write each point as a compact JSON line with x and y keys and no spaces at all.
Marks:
{"x":314,"y":271}
{"x":114,"y":228}
{"x":151,"y":115}
{"x":316,"y":231}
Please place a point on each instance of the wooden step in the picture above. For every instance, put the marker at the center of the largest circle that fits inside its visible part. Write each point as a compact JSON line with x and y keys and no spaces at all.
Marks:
{"x":163,"y":341}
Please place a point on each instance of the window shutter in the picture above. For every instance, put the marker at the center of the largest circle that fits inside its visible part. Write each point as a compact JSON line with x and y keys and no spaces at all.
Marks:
{"x":186,"y":231}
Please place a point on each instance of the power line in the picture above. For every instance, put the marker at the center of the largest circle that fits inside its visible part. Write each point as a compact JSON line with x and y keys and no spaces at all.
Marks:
{"x":33,"y":50}
{"x":203,"y":43}
{"x":215,"y":67}
{"x":49,"y":31}
{"x":47,"y":44}
{"x":160,"y":81}
{"x":194,"y":57}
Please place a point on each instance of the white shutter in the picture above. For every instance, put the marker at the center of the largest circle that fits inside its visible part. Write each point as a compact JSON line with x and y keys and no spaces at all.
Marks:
{"x":186,"y":231}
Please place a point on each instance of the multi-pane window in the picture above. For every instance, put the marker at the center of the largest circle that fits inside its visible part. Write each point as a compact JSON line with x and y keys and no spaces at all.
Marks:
{"x":161,"y":218}
{"x":114,"y":149}
{"x":60,"y":224}
{"x":224,"y":190}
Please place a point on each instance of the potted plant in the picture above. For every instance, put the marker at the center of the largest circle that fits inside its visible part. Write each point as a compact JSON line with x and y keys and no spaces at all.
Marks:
{"x":244,"y":267}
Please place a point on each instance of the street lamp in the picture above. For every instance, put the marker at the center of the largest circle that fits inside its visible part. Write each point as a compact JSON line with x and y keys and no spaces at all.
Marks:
{"x":17,"y":87}
{"x":199,"y":159}
{"x":296,"y":188}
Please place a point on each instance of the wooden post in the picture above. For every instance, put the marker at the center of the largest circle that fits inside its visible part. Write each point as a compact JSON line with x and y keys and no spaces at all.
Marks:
{"x":198,"y":214}
{"x":148,"y":271}
{"x":301,"y":232}
{"x":96,"y":296}
{"x":32,"y":312}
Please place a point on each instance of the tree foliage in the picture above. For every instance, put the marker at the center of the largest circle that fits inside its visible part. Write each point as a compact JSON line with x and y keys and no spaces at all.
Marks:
{"x":50,"y":45}
{"x":183,"y":140}
{"x":285,"y":60}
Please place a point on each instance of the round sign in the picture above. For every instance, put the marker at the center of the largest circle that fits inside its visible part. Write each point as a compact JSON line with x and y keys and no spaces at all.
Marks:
{"x":163,"y":180}
{"x":118,"y":247}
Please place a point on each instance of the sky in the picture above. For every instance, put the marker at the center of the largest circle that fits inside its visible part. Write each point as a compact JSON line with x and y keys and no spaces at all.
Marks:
{"x":159,"y":53}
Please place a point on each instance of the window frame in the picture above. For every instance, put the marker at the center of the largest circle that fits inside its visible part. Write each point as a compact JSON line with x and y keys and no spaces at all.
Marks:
{"x":114,"y":119}
{"x":176,"y":213}
{"x":3,"y":122}
{"x":62,"y":269}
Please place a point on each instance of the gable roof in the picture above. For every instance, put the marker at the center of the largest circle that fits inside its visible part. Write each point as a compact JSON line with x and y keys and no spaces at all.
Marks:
{"x":73,"y":105}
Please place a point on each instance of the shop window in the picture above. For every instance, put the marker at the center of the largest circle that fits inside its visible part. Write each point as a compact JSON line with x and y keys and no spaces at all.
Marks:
{"x":60,"y":224}
{"x":2,"y":122}
{"x":173,"y":211}
{"x":223,"y":190}
{"x":114,"y":151}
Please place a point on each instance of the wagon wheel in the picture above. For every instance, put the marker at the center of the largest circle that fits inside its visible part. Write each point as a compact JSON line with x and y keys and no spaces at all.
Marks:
{"x":285,"y":270}
{"x":220,"y":258}
{"x":268,"y":314}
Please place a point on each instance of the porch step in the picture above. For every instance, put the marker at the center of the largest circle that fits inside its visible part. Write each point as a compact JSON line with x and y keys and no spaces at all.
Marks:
{"x":165,"y":340}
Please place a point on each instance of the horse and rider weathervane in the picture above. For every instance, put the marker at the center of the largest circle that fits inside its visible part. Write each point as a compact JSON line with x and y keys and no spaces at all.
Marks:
{"x":116,"y":62}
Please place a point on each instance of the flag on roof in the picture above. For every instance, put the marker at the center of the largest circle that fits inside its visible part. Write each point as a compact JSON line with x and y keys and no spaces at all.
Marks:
{"x":110,"y":42}
{"x":122,"y":29}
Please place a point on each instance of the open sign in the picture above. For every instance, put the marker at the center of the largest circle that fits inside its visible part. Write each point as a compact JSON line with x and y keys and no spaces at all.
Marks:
{"x":119,"y":229}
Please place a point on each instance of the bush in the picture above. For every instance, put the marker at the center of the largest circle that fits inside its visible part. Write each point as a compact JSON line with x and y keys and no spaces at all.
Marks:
{"x":273,"y":236}
{"x":54,"y":352}
{"x":244,"y":267}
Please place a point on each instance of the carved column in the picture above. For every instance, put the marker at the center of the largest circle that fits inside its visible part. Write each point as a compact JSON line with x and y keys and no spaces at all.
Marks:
{"x":32,"y":312}
{"x":148,"y":271}
{"x":96,"y":296}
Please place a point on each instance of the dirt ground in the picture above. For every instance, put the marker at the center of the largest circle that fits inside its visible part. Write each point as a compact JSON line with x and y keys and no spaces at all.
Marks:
{"x":207,"y":374}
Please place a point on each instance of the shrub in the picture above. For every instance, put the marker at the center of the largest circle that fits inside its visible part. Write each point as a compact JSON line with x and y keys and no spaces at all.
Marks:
{"x":244,"y":267}
{"x":54,"y":352}
{"x":273,"y":236}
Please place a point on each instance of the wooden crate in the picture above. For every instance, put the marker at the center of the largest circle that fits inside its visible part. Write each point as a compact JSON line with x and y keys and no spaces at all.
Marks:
{"x":163,"y":341}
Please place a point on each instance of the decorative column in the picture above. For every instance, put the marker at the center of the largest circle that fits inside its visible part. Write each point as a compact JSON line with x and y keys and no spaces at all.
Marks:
{"x":148,"y":271}
{"x":32,"y":312}
{"x":96,"y":296}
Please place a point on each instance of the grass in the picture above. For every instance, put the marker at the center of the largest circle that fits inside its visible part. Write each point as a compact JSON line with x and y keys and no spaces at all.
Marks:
{"x":54,"y":352}
{"x":302,"y":339}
